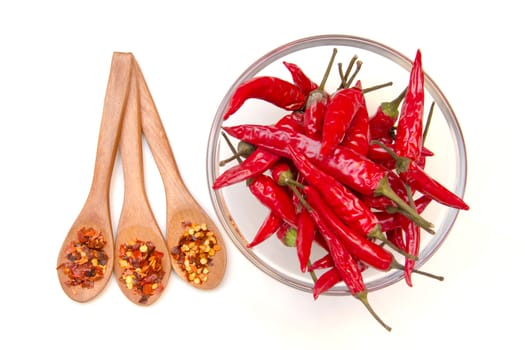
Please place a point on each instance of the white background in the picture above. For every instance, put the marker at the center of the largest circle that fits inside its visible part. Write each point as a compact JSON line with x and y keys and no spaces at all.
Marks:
{"x":54,"y":64}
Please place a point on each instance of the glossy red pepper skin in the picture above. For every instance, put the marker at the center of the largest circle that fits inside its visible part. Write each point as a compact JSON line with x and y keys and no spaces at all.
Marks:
{"x":314,"y":113}
{"x":391,"y":222}
{"x":326,"y":281}
{"x":273,"y":196}
{"x":305,"y":237}
{"x":409,"y":133}
{"x":322,"y":263}
{"x":276,"y":91}
{"x":259,"y":160}
{"x":350,"y":209}
{"x":424,"y":183}
{"x":339,"y":114}
{"x":352,"y":169}
{"x":412,"y":241}
{"x":357,"y":245}
{"x":266,"y":230}
{"x":343,"y":261}
{"x":300,"y":78}
{"x":256,"y":163}
{"x":357,"y":136}
{"x":385,"y":117}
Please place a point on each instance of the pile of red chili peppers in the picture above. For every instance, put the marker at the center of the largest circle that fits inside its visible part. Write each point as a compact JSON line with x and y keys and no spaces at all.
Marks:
{"x":333,"y":174}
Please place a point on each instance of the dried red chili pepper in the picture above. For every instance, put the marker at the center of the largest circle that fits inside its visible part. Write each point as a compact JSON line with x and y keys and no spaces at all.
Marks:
{"x":385,"y":117}
{"x":324,"y":262}
{"x":357,"y":137}
{"x":338,"y":116}
{"x":142,"y":270}
{"x":409,"y":132}
{"x":360,"y":247}
{"x":300,"y":78}
{"x":276,"y":91}
{"x":346,"y":265}
{"x":352,"y":211}
{"x":305,"y":237}
{"x":259,"y":160}
{"x":344,"y":164}
{"x":86,"y":259}
{"x":273,"y":196}
{"x":326,"y":281}
{"x":266,"y":230}
{"x":390,"y":221}
{"x":316,"y":104}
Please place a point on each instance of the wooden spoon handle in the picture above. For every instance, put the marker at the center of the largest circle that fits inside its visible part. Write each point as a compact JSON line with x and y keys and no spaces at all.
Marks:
{"x":114,"y":105}
{"x":131,"y":153}
{"x":155,"y":134}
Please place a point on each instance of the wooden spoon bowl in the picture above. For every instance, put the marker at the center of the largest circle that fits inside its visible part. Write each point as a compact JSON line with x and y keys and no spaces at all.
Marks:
{"x":181,"y":207}
{"x":95,"y":213}
{"x":137,"y":222}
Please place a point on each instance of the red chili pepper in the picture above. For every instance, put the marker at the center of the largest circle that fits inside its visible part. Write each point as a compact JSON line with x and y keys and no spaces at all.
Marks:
{"x":326,"y":281}
{"x":273,"y":196}
{"x":359,"y":246}
{"x":316,"y":104}
{"x":267,"y":229}
{"x":259,"y":160}
{"x":340,"y":111}
{"x":382,"y":122}
{"x":358,"y":172}
{"x":276,"y":91}
{"x":350,"y":209}
{"x":346,"y":265}
{"x":305,"y":236}
{"x":424,"y":183}
{"x":300,"y":78}
{"x":357,"y":136}
{"x":322,"y":263}
{"x":412,"y":242}
{"x":409,"y":132}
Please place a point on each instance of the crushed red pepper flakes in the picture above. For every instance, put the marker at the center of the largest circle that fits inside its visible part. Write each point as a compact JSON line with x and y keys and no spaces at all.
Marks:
{"x":142,"y":269}
{"x":195,"y":251}
{"x":86,"y":260}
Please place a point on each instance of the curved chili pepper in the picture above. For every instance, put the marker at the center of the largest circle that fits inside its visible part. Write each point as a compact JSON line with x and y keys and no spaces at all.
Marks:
{"x":358,"y":172}
{"x":326,"y":281}
{"x":273,"y":196}
{"x":359,"y":246}
{"x":267,"y":229}
{"x":300,"y":78}
{"x":409,"y":133}
{"x":259,"y":160}
{"x":357,"y":136}
{"x":390,"y":221}
{"x":305,"y":236}
{"x":350,"y":209}
{"x":276,"y":91}
{"x":339,"y":113}
{"x":412,"y":242}
{"x":346,"y":265}
{"x":324,"y":262}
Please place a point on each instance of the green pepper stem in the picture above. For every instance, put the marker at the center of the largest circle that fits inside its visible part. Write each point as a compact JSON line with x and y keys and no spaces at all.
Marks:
{"x":377,"y":234}
{"x":391,"y":108}
{"x":376,"y":87}
{"x":311,"y":272}
{"x":358,"y":66}
{"x":327,"y":71}
{"x":232,"y":148}
{"x":429,"y":119}
{"x":344,"y":76}
{"x":384,"y":189}
{"x":363,"y":297}
{"x":396,"y":265}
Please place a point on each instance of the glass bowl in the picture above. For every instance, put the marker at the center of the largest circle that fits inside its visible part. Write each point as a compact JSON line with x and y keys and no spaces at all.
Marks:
{"x":240,"y":214}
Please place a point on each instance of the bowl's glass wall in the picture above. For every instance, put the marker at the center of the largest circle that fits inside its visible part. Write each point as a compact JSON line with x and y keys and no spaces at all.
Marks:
{"x":240,"y":214}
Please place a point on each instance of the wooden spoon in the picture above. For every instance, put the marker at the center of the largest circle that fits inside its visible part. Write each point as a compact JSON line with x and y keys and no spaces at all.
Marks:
{"x":181,"y":206}
{"x":96,"y":210}
{"x":137,"y":221}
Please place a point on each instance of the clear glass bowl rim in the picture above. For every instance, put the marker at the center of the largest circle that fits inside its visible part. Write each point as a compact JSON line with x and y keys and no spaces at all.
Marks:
{"x":334,"y":40}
